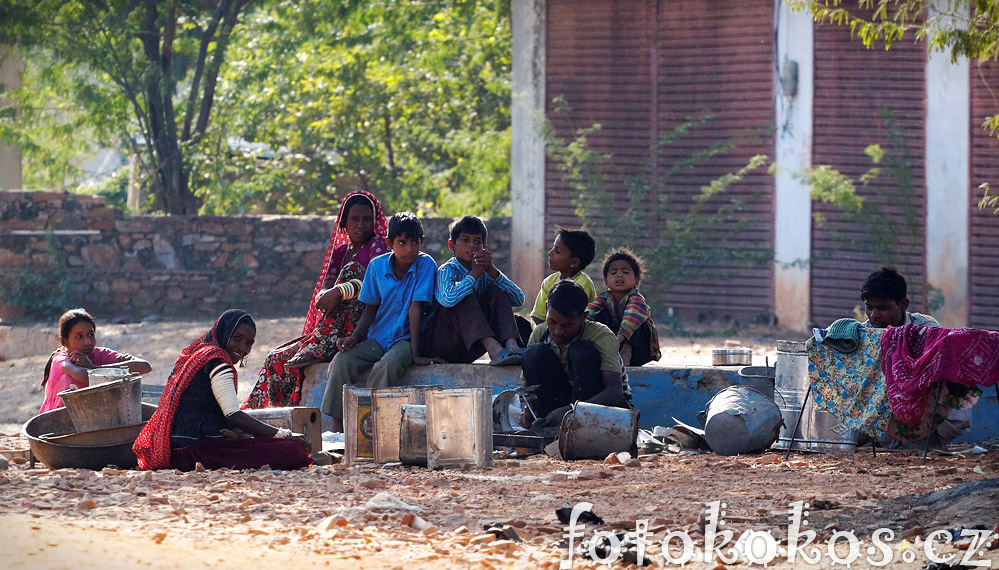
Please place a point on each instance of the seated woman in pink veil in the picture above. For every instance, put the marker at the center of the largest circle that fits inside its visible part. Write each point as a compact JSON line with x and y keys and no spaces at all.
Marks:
{"x":359,"y":237}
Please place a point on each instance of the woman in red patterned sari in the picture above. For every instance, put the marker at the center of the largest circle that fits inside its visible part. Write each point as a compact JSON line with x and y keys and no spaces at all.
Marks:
{"x":360,"y":236}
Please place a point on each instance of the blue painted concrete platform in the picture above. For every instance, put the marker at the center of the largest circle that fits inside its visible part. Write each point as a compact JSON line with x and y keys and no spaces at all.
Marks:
{"x":661,"y":392}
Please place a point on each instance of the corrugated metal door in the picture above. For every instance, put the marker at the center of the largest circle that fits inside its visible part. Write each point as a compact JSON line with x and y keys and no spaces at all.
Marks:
{"x":598,"y":57}
{"x":853,"y":87}
{"x":643,"y":68}
{"x":718,"y":56}
{"x":984,"y":240}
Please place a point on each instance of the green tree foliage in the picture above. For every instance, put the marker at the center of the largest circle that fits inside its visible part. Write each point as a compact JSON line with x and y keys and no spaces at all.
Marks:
{"x":410,"y":100}
{"x":965,"y":28}
{"x":141,"y":73}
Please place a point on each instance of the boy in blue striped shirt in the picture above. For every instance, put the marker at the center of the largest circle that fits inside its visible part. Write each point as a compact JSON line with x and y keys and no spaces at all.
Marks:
{"x":473,"y":302}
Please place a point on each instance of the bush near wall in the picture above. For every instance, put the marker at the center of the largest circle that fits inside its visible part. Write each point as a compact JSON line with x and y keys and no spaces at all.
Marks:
{"x":60,"y":250}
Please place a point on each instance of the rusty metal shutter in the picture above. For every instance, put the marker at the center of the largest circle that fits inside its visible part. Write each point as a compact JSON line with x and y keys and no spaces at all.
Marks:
{"x":597,"y":55}
{"x":984,"y":240}
{"x":852,"y":84}
{"x":640,"y":69}
{"x":718,"y":56}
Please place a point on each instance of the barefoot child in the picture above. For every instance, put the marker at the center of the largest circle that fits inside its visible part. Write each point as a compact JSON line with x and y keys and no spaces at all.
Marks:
{"x":79,"y":353}
{"x":624,"y":310}
{"x":395,"y":288}
{"x":474,"y":301}
{"x":572,"y":251}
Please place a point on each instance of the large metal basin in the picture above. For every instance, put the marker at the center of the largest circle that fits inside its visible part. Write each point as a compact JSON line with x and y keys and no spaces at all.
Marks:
{"x":48,"y":432}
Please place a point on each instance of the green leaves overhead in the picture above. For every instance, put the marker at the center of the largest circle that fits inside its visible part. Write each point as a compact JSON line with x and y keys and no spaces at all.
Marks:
{"x":409,"y":100}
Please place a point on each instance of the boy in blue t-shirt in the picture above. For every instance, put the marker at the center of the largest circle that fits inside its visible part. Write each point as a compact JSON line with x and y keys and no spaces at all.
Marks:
{"x":395,"y":287}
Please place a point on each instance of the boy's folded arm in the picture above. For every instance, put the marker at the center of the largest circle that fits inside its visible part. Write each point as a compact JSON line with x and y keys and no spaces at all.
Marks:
{"x":450,"y":290}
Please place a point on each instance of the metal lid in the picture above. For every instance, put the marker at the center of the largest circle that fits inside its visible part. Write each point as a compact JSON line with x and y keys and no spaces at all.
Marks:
{"x":739,"y":350}
{"x":791,"y":346}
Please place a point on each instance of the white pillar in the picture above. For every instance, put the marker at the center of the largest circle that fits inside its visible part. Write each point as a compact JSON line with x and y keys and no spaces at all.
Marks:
{"x":793,"y":205}
{"x":527,"y":153}
{"x":948,"y":109}
{"x":10,"y":158}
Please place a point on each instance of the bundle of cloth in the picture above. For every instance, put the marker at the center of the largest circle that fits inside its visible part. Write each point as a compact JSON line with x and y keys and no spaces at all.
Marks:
{"x":900,"y":383}
{"x":915,"y":360}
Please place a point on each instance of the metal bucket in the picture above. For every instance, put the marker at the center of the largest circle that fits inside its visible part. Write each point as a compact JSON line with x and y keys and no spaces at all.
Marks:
{"x":413,"y":435}
{"x":459,"y":427}
{"x":818,"y":431}
{"x":592,"y":431}
{"x":741,"y":420}
{"x":114,"y":404}
{"x":792,"y":365}
{"x":102,"y":448}
{"x":358,"y":425}
{"x":759,"y":378}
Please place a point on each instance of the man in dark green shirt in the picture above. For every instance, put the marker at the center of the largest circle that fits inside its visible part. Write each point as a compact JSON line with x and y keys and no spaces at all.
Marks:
{"x":572,"y":359}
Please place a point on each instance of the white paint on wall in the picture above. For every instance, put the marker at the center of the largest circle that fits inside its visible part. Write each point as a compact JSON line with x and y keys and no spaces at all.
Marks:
{"x":793,"y":206}
{"x":948,"y":108}
{"x":527,"y":177}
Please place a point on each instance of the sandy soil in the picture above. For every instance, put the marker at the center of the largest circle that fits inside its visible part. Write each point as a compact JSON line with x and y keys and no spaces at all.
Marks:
{"x":317,"y":517}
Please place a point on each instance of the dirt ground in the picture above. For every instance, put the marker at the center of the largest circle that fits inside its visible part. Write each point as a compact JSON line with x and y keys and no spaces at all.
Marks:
{"x":316,"y":517}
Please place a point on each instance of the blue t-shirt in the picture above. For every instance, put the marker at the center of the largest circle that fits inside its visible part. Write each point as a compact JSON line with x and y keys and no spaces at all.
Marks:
{"x":393,"y":296}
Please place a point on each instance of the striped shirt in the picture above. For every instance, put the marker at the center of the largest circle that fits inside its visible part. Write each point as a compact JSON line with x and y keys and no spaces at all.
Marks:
{"x":455,"y":282}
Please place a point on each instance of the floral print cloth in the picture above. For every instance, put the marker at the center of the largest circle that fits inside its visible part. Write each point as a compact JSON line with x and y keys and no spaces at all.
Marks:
{"x":852,"y":386}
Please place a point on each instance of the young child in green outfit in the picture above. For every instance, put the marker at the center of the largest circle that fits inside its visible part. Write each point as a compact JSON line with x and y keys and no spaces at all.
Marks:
{"x":571,"y":252}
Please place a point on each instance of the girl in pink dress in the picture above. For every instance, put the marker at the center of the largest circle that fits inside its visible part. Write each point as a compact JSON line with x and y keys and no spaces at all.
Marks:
{"x":79,"y":353}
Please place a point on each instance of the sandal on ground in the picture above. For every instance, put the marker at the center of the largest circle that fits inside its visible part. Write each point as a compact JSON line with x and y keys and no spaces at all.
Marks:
{"x":506,"y":357}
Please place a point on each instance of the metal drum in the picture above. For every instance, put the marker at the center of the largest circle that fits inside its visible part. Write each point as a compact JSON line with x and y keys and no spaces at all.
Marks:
{"x":819,"y":430}
{"x":792,"y":366}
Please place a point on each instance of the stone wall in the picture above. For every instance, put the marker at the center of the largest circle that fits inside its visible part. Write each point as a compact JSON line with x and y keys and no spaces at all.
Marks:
{"x":132,"y":266}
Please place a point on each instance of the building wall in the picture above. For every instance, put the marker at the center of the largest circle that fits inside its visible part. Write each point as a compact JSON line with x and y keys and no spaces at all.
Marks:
{"x":639,"y":70}
{"x":984,"y":239}
{"x":176,"y":265}
{"x":854,"y":87}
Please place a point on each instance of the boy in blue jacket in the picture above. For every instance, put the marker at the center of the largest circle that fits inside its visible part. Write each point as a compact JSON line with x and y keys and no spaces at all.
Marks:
{"x":473,"y":312}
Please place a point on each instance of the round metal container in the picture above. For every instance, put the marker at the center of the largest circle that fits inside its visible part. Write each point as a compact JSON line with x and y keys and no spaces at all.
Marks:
{"x":792,"y":366}
{"x":592,"y":431}
{"x":736,"y":356}
{"x":759,"y":378}
{"x":818,"y":430}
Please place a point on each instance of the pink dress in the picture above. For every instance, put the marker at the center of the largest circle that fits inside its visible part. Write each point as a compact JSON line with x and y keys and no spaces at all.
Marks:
{"x":59,"y":380}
